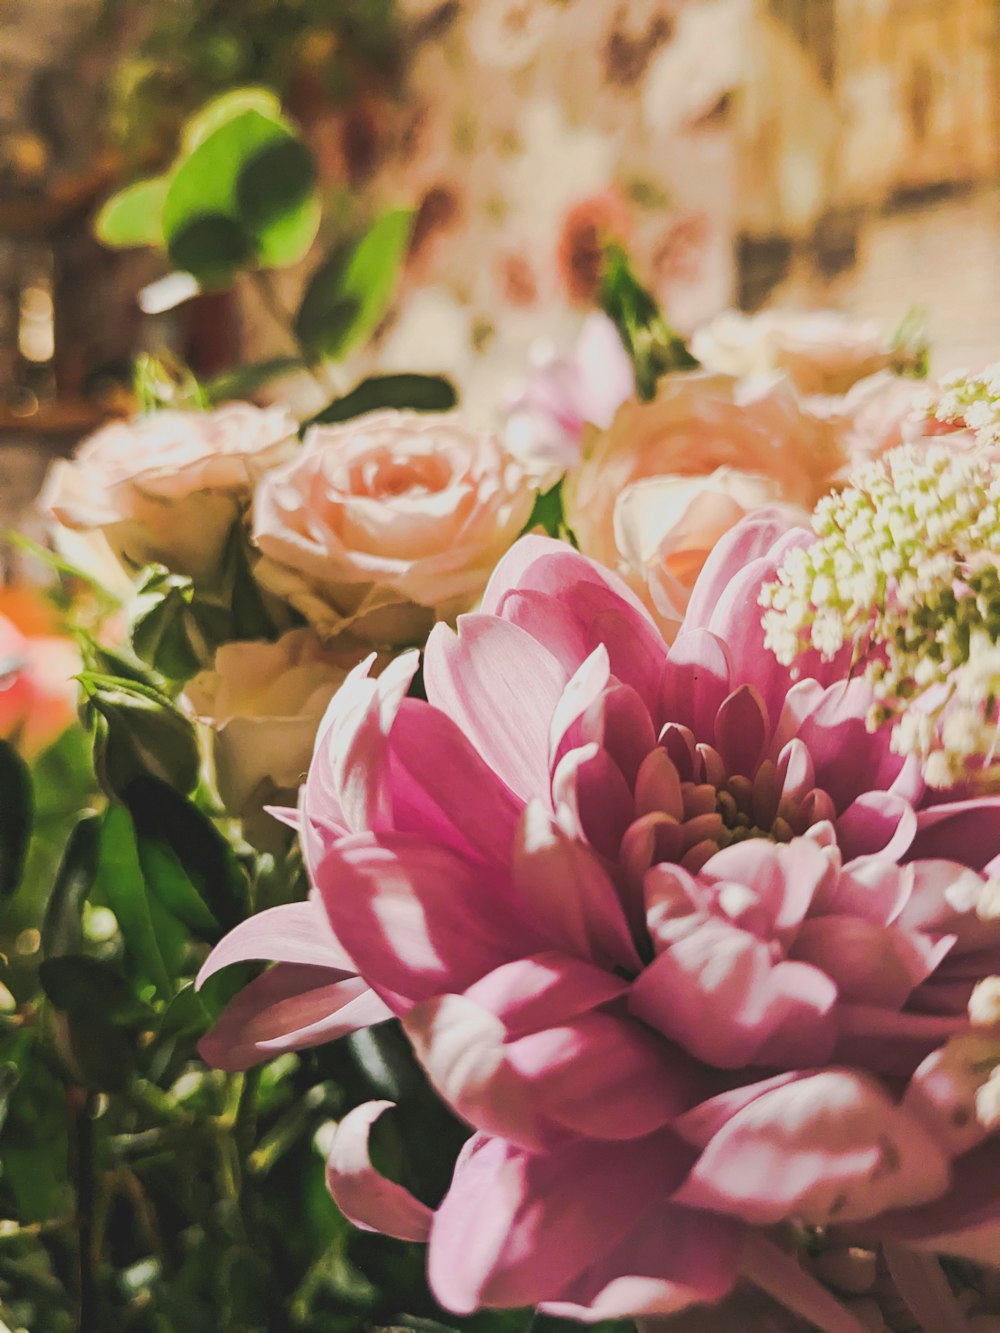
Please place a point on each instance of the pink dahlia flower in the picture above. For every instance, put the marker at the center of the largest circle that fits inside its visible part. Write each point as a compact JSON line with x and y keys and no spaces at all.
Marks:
{"x":687,"y":947}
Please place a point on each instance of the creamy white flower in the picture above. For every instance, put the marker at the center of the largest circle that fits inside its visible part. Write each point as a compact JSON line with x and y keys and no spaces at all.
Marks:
{"x":263,"y":703}
{"x":167,"y":487}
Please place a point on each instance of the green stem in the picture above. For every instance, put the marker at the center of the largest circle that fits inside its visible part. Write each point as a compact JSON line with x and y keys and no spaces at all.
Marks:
{"x":81,"y":1106}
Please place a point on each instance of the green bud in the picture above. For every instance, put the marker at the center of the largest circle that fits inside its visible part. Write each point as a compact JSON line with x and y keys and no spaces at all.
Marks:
{"x":138,"y":732}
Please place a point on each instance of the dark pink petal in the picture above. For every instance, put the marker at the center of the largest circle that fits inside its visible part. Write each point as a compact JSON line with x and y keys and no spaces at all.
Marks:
{"x":435,"y":774}
{"x":829,"y":1148}
{"x":417,"y":917}
{"x":676,"y":904}
{"x":594,"y":1075}
{"x":747,"y":542}
{"x":942,"y":1093}
{"x":870,"y":964}
{"x":890,"y":1043}
{"x":588,"y":787}
{"x":500,"y":686}
{"x":966,"y":831}
{"x":719,"y":993}
{"x":516,"y":1228}
{"x":784,"y":878}
{"x":354,"y":734}
{"x":871,"y":888}
{"x":971,"y":1201}
{"x":543,"y":990}
{"x":701,"y":1124}
{"x":619,"y":722}
{"x":366,"y":1198}
{"x":697,"y":679}
{"x":591,"y":606}
{"x":586,"y":685}
{"x":285,"y":1009}
{"x":293,"y":933}
{"x":877,"y":823}
{"x":675,"y":1258}
{"x":742,"y":730}
{"x":849,"y":759}
{"x":564,"y":886}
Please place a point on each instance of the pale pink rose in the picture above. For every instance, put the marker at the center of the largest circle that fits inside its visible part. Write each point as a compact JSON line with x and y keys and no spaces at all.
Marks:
{"x":389,"y":522}
{"x":665,"y":529}
{"x":563,"y":393}
{"x":167,"y":487}
{"x":822,"y":352}
{"x":697,"y":425}
{"x":884,"y":411}
{"x":263,"y":703}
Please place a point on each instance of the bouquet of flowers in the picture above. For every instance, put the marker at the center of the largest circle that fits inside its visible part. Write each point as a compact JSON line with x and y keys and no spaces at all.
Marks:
{"x":613,"y":800}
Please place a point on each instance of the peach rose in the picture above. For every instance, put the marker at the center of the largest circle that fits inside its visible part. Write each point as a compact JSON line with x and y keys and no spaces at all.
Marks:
{"x":822,"y":351}
{"x":167,"y":487}
{"x":264,"y":703}
{"x":658,"y":488}
{"x":388,"y":522}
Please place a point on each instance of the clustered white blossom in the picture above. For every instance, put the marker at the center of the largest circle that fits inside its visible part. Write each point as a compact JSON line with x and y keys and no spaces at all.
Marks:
{"x":972,"y":400}
{"x":905,"y":573}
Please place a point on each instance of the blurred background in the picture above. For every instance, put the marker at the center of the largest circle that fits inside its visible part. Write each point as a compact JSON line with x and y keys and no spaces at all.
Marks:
{"x":805,"y":153}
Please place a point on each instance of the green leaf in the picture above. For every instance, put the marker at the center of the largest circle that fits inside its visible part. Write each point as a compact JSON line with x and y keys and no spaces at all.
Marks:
{"x":123,"y":886}
{"x":98,"y":1004}
{"x":214,"y":114}
{"x":418,"y":393}
{"x":548,"y":513}
{"x":133,"y":216}
{"x":654,"y":347}
{"x":246,"y":380}
{"x":76,"y":982}
{"x":348,"y":294}
{"x":205,"y":856}
{"x":244,"y":195}
{"x":62,"y":931}
{"x":16,"y":808}
{"x":167,"y":879}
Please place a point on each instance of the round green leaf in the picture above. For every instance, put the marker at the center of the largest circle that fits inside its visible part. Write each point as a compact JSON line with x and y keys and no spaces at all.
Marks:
{"x":132,"y":217}
{"x":207,"y":119}
{"x":244,"y":195}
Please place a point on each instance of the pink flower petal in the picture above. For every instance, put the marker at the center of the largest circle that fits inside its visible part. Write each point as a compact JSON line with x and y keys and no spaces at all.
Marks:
{"x":285,"y":1009}
{"x":434,"y":771}
{"x":293,"y":933}
{"x":478,"y":678}
{"x":369,"y":1200}
{"x":564,"y":886}
{"x":781,"y":1276}
{"x":516,"y":1228}
{"x":718,"y":992}
{"x":419,"y":918}
{"x":959,"y":830}
{"x":677,"y":1257}
{"x":547,"y":988}
{"x":828,"y":1148}
{"x":742,"y":730}
{"x":696,"y":681}
{"x":876,"y":823}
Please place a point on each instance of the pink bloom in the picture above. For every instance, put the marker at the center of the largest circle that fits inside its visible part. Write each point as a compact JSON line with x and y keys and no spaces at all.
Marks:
{"x":37,"y":684}
{"x":686,"y":946}
{"x":561,"y":394}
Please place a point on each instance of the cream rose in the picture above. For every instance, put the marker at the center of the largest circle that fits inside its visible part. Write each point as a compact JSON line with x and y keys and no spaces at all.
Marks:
{"x":822,"y":352}
{"x":658,"y":488}
{"x":263,"y":703}
{"x":388,"y":522}
{"x":167,"y":487}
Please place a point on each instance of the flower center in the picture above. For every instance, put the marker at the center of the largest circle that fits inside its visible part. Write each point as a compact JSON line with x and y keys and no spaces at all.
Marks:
{"x":689,"y":804}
